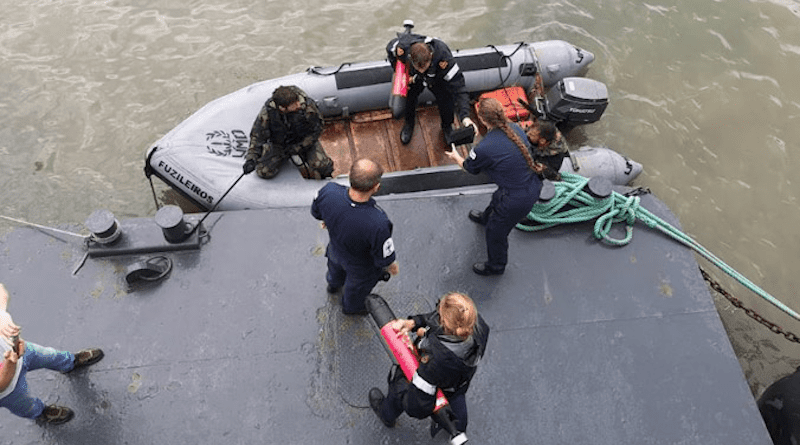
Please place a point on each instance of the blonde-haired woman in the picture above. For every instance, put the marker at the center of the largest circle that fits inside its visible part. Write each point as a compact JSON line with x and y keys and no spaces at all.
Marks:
{"x":504,"y":155}
{"x":453,"y":340}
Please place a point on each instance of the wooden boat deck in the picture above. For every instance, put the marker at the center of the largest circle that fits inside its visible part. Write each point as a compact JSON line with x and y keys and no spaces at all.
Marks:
{"x":376,"y":135}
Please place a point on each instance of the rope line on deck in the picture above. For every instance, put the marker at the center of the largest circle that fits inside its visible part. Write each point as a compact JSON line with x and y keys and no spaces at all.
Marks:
{"x":573,"y":204}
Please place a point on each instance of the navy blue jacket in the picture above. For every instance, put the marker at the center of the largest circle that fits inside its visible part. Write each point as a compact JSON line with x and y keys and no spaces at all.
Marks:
{"x":500,"y":158}
{"x":360,"y":233}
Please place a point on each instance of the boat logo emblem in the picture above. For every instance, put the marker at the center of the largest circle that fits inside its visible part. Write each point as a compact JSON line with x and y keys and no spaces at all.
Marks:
{"x":224,"y":143}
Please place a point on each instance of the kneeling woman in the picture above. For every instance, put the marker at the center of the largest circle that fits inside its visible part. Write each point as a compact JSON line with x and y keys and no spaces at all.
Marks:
{"x":504,"y":155}
{"x":453,"y":340}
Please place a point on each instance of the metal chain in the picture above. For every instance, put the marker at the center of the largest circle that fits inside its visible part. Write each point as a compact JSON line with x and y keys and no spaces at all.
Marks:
{"x":751,"y":313}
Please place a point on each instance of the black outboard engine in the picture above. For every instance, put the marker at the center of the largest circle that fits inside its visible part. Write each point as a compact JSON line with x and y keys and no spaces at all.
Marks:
{"x":573,"y":101}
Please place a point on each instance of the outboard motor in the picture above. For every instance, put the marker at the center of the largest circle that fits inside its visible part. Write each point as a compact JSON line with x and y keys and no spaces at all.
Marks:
{"x":573,"y":101}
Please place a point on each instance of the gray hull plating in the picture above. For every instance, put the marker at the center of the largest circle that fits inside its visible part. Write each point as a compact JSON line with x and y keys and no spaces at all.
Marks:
{"x":589,"y":344}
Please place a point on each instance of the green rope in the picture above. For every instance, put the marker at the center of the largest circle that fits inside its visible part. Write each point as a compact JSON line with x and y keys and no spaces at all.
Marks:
{"x":573,"y":204}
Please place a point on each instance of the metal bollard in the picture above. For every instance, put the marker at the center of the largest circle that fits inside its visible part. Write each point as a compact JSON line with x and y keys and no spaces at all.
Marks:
{"x":104,"y":227}
{"x":170,"y":219}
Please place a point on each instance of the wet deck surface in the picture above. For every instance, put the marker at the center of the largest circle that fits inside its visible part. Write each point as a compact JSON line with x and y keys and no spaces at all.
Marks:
{"x":239,"y":344}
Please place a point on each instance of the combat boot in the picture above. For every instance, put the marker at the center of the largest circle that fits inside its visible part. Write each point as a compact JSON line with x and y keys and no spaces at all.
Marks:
{"x":375,"y":402}
{"x":407,"y":132}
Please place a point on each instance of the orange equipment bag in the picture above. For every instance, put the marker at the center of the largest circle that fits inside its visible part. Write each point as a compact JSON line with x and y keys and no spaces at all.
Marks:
{"x":507,"y":97}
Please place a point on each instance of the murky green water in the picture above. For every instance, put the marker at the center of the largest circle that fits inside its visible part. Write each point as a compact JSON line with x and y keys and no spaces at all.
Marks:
{"x":703,"y":93}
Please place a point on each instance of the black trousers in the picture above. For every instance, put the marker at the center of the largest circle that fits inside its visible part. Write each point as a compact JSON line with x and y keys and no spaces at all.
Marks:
{"x":445,"y":101}
{"x":393,"y":404}
{"x":504,"y":211}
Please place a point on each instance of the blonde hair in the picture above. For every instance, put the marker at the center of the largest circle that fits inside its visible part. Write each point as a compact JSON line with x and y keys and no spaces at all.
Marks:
{"x":493,"y":114}
{"x":458,"y":314}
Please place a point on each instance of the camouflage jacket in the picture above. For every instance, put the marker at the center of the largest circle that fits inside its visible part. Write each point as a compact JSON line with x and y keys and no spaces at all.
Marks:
{"x":553,"y":148}
{"x":289,"y":133}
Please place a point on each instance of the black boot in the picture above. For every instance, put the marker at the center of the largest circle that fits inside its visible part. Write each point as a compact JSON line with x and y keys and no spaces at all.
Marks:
{"x":375,"y":402}
{"x":485,"y":269}
{"x":476,"y":216}
{"x":407,"y":131}
{"x":435,"y":428}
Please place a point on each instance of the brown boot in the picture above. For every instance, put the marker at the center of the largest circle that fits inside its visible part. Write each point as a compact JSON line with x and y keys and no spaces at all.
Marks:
{"x":55,"y":415}
{"x":87,"y":357}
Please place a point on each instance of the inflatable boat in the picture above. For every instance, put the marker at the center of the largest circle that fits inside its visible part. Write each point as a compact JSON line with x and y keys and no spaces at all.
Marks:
{"x":202,"y":157}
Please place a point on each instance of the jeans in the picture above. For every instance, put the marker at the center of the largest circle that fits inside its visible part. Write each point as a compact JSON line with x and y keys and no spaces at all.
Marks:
{"x":19,"y":402}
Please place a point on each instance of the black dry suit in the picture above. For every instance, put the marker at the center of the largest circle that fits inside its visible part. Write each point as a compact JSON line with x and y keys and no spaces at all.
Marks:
{"x":447,"y":362}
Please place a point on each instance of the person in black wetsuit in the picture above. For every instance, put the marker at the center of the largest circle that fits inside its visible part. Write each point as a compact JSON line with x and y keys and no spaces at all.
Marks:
{"x":430,"y":63}
{"x":453,"y":341}
{"x":504,"y":154}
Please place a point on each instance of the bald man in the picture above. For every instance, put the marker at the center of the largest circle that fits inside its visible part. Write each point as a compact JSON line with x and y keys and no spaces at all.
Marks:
{"x":360,"y":250}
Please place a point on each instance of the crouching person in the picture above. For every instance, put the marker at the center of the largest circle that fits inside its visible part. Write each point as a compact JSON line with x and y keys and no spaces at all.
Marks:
{"x":453,"y":341}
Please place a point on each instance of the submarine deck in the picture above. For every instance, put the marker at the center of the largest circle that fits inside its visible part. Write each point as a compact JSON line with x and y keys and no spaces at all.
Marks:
{"x":241,"y":344}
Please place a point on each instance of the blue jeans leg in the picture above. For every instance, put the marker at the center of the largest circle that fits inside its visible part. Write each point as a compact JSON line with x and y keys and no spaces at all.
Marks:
{"x":20,"y":402}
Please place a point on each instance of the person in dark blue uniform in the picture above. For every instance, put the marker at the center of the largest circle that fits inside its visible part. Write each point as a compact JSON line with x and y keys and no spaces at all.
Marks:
{"x":780,"y":409}
{"x":430,"y":63}
{"x":504,"y":154}
{"x":453,"y":341}
{"x":360,"y":250}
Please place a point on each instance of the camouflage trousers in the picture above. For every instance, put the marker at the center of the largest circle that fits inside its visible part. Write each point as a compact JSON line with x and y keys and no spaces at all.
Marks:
{"x":312,"y":162}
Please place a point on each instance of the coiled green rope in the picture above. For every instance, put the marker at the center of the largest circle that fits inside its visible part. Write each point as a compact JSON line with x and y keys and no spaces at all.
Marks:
{"x":573,"y":204}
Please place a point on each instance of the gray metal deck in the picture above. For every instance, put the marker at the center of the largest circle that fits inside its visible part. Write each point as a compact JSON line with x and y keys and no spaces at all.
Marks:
{"x":240,"y":343}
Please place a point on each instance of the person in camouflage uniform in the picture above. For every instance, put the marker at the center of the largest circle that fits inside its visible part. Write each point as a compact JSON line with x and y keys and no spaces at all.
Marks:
{"x":288,"y":127}
{"x":548,"y":147}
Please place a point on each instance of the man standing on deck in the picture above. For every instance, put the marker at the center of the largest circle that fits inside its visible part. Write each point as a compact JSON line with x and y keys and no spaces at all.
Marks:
{"x":430,"y":63}
{"x":19,"y":357}
{"x":288,"y":127}
{"x":361,"y":250}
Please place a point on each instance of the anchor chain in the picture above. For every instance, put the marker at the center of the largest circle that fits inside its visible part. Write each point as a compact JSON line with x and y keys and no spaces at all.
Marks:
{"x":750,"y":312}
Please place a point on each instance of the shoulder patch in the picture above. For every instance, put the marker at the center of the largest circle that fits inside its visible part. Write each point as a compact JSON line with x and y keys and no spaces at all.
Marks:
{"x":443,"y":65}
{"x":388,"y":247}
